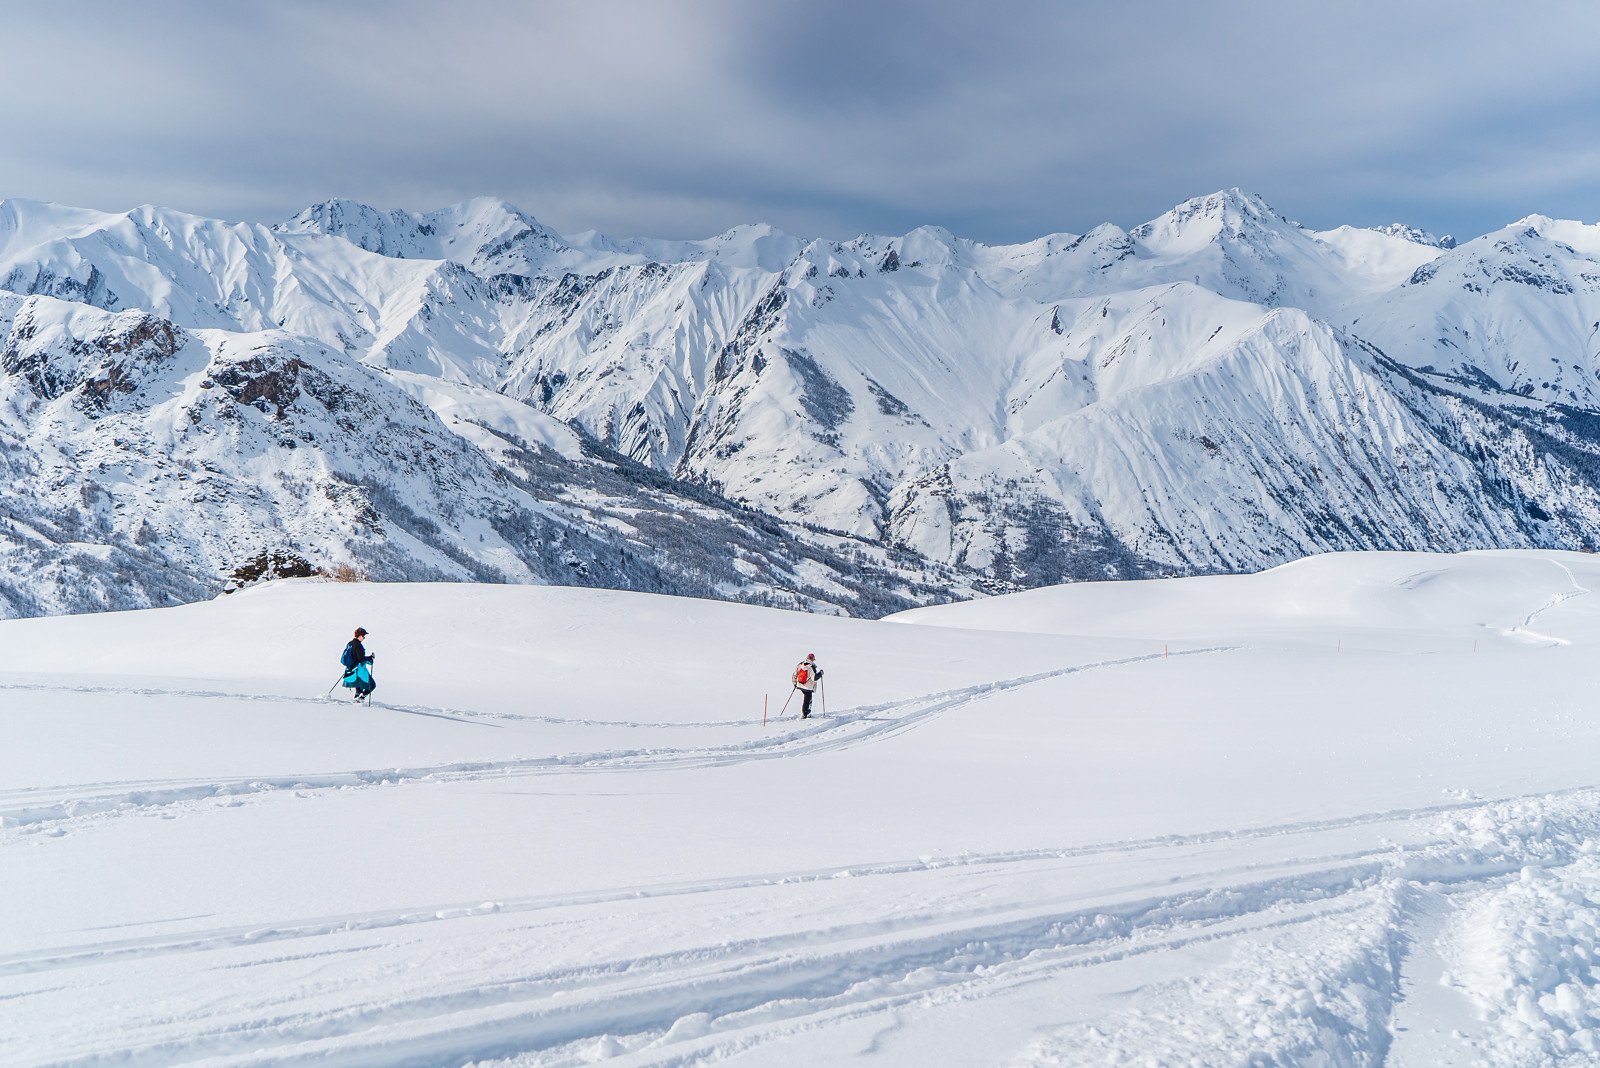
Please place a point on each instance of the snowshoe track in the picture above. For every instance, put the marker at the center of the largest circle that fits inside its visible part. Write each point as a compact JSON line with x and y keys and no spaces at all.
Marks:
{"x":39,"y":809}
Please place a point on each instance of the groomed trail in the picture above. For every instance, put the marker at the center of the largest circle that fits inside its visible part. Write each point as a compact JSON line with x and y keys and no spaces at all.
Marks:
{"x":1356,"y":824}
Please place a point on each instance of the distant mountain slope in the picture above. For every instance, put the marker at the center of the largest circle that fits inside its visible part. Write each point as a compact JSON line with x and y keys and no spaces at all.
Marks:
{"x":143,"y":463}
{"x":867,"y":423}
{"x":1515,"y":311}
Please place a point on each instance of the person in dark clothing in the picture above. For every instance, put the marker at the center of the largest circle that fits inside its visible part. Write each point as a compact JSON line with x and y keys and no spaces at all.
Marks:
{"x":355,"y":654}
{"x":806,"y":677}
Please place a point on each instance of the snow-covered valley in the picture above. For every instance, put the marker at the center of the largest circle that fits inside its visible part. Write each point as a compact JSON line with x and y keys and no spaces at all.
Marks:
{"x":1341,"y":812}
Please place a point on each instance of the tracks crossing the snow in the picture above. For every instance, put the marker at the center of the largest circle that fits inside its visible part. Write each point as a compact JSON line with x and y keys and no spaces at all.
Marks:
{"x":1044,"y":917}
{"x":35,"y":809}
{"x":1283,"y":941}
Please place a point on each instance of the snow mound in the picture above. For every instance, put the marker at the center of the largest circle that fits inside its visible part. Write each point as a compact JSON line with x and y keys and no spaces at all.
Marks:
{"x":1391,"y":599}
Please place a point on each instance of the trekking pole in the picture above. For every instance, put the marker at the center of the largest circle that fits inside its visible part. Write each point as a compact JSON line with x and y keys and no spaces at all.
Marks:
{"x":336,"y":682}
{"x":792,"y":690}
{"x":822,"y":694}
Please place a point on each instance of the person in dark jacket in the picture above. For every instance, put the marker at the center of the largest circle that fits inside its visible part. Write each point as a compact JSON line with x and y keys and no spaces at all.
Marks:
{"x":355,"y":654}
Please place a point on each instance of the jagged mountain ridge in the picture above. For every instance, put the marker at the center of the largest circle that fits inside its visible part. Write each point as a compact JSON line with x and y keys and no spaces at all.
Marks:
{"x":1216,"y":389}
{"x":143,"y":461}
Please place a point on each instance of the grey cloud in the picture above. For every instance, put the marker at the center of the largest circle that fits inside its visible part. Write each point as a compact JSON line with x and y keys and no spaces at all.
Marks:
{"x":1001,"y":122}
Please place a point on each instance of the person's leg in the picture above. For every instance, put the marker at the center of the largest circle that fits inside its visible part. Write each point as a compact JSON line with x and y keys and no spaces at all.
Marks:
{"x":805,"y":705}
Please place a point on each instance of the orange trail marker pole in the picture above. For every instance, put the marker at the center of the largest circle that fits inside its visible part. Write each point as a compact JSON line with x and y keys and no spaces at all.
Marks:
{"x":763,"y":710}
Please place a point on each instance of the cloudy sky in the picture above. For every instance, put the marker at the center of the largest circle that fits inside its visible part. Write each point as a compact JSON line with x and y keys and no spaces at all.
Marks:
{"x":1001,"y":121}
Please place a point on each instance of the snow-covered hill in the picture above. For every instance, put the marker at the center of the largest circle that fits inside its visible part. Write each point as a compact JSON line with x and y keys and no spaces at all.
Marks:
{"x":1216,"y":389}
{"x":1344,"y":812}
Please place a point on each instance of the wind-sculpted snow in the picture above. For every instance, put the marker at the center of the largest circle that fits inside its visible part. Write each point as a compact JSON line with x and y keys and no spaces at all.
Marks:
{"x":1217,"y":389}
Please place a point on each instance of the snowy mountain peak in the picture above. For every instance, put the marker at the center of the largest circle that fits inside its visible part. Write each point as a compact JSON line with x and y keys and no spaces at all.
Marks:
{"x":1049,"y":245}
{"x":25,"y":222}
{"x":1415,"y":235}
{"x":487,"y":234}
{"x":757,"y":245}
{"x":391,"y":233}
{"x":1228,"y":211}
{"x":933,"y":244}
{"x":1577,"y":236}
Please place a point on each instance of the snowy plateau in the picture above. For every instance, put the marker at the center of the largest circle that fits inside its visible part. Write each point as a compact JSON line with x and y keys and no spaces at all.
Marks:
{"x":1341,"y":812}
{"x":854,"y":427}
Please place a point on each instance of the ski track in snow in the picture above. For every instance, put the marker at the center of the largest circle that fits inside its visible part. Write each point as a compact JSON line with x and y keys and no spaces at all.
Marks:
{"x":462,"y":715}
{"x":1526,"y":631}
{"x":456,"y":910}
{"x":1327,"y":934}
{"x":44,"y":809}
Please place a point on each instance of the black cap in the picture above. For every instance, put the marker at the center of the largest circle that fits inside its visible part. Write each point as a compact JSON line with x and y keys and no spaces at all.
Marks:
{"x":361,"y":632}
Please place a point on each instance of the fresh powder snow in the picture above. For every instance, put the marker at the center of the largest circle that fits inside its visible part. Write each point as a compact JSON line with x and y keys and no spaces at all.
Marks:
{"x":1339,"y":812}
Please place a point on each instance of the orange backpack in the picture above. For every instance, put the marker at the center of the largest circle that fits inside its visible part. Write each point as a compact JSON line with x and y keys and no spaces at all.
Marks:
{"x":801,"y":675}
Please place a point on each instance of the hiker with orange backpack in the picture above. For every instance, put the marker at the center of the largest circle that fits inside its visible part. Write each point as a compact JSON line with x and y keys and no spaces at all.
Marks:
{"x":806,"y":677}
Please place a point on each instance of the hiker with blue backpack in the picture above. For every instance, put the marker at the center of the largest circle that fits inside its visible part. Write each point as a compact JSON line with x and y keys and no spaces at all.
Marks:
{"x":358,"y":667}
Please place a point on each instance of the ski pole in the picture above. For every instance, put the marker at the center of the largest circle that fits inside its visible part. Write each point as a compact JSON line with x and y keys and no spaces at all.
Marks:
{"x":336,"y":682}
{"x":787,"y":700}
{"x":822,"y":694}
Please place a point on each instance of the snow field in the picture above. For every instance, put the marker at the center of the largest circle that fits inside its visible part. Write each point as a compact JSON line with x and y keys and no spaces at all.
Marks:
{"x":1288,"y":818}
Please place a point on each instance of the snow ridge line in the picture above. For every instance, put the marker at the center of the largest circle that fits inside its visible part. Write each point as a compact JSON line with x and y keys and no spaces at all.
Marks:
{"x":832,"y":732}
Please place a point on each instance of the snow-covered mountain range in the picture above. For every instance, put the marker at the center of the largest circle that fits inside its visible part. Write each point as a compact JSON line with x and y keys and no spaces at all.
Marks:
{"x":857,"y":425}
